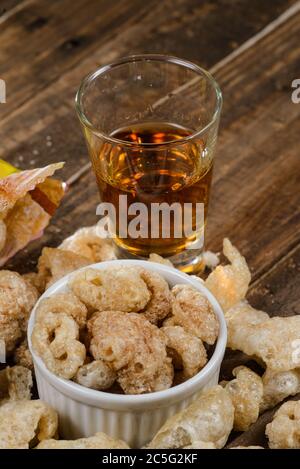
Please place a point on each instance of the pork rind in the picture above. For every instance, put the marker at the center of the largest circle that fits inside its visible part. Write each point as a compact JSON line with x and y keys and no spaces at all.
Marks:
{"x":134,"y":348}
{"x":22,"y":355}
{"x":55,"y":340}
{"x":22,"y":422}
{"x":186,"y":350}
{"x":33,"y":279}
{"x":209,"y":419}
{"x":90,"y":243}
{"x":243,"y":315}
{"x":10,"y":333}
{"x":55,"y":263}
{"x":159,"y":305}
{"x":210,"y":259}
{"x":63,"y":303}
{"x":98,"y":441}
{"x":271,"y":341}
{"x":246,"y":393}
{"x":115,"y":288}
{"x":15,"y":383}
{"x":192,"y":310}
{"x":284,"y":430}
{"x":96,"y":375}
{"x":229,"y":283}
{"x":279,"y":386}
{"x":160,"y":260}
{"x":17,"y":297}
{"x":3,"y":233}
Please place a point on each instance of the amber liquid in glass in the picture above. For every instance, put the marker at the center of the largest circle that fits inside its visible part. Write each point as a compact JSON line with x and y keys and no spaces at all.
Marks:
{"x":177,"y":172}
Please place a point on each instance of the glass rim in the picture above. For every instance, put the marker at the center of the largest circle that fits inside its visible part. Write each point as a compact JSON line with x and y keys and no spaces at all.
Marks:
{"x":150,"y":58}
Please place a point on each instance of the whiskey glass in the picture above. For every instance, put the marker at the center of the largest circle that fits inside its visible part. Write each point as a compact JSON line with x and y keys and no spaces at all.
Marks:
{"x":150,"y":123}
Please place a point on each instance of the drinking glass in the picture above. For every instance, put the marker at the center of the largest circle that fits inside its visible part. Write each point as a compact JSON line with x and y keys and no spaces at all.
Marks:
{"x":150,"y":124}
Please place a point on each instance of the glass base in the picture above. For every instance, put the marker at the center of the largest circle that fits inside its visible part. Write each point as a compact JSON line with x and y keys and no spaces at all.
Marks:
{"x":189,"y":261}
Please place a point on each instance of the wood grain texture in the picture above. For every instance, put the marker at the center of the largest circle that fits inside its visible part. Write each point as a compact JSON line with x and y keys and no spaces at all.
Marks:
{"x":255,"y":196}
{"x":9,"y":6}
{"x":278,"y":290}
{"x":41,"y":92}
{"x":41,"y":42}
{"x":257,"y":152}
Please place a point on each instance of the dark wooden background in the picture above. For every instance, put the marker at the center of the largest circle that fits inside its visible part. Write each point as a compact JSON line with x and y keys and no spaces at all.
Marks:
{"x":253,"y":49}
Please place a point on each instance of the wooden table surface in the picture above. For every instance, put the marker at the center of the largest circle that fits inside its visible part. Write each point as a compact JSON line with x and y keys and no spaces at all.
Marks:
{"x":253,"y":49}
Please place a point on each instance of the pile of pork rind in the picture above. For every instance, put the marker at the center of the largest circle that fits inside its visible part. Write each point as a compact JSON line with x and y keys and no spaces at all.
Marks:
{"x":175,"y":324}
{"x":124,"y":326}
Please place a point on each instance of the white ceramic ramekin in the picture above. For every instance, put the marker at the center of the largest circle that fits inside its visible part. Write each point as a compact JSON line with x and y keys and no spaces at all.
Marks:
{"x":135,"y":419}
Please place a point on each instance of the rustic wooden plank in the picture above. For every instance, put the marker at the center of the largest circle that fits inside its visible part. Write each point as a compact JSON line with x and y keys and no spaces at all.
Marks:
{"x":256,"y":180}
{"x":255,"y":201}
{"x":180,"y":33}
{"x":257,"y":153}
{"x":277,"y":292}
{"x":144,"y":27}
{"x":9,"y":7}
{"x":53,"y":41}
{"x":255,"y":197}
{"x":40,"y":42}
